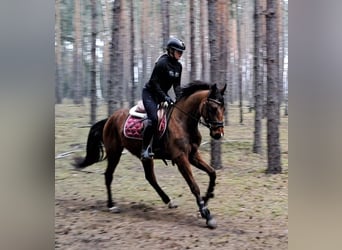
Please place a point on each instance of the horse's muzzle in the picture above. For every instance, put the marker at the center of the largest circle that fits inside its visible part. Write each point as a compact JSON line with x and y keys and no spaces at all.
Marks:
{"x":217,"y":133}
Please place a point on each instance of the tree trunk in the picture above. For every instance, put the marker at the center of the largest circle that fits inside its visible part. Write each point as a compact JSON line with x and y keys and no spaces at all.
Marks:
{"x":286,"y":84}
{"x":193,"y":69}
{"x":216,"y":161}
{"x":264,"y":62}
{"x":273,"y":150}
{"x":93,"y":99}
{"x":165,"y":17}
{"x":143,"y":41}
{"x":258,"y":81}
{"x":114,"y":59}
{"x":122,"y":68}
{"x":286,"y":110}
{"x":239,"y":75}
{"x":281,"y":54}
{"x":132,"y":61}
{"x":204,"y":41}
{"x":58,"y":51}
{"x":78,"y":97}
{"x":107,"y":45}
{"x":285,"y":54}
{"x":223,"y":45}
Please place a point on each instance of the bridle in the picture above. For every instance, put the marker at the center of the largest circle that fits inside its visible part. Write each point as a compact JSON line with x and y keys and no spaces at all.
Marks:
{"x":210,"y":123}
{"x":207,"y":122}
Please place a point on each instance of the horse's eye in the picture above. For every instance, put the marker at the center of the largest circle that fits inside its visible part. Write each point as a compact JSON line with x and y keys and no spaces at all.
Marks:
{"x":214,"y":109}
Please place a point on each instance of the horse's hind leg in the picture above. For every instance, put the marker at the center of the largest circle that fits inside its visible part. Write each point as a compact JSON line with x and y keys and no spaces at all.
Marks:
{"x":151,"y":178}
{"x":199,"y":163}
{"x":113,"y":160}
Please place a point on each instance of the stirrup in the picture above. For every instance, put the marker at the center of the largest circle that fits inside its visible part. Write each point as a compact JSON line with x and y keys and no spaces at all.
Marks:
{"x":147,"y":154}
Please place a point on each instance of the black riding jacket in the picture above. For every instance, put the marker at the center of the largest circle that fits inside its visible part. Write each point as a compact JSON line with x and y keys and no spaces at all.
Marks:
{"x":167,"y":72}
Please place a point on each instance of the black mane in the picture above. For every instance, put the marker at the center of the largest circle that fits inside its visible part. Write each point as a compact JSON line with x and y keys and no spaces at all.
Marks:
{"x":194,"y":86}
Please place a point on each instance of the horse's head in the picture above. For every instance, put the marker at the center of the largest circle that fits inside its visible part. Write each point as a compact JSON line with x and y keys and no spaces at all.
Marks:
{"x":213,"y":111}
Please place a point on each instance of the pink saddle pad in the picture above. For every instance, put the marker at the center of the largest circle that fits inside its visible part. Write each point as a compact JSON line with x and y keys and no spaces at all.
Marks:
{"x":134,"y":127}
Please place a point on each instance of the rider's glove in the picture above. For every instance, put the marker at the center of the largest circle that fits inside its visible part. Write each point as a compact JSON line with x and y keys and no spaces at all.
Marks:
{"x":169,"y":100}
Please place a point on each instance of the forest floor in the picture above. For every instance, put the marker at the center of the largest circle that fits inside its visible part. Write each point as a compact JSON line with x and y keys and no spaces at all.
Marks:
{"x":250,"y":207}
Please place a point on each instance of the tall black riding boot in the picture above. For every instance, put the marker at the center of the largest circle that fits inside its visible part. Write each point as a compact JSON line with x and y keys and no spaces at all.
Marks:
{"x":146,"y":151}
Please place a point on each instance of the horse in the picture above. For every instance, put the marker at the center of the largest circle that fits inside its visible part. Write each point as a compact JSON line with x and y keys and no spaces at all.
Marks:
{"x":199,"y":101}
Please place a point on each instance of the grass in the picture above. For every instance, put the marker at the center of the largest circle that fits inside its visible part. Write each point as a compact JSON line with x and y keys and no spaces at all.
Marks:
{"x":243,"y":190}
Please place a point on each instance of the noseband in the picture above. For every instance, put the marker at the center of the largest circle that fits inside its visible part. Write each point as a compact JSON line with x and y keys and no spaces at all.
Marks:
{"x":207,"y":122}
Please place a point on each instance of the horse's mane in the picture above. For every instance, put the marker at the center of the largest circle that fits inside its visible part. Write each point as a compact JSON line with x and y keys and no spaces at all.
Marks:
{"x":194,"y":86}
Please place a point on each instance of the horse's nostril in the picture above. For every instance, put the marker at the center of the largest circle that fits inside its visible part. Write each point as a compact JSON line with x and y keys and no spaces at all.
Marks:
{"x":216,"y":136}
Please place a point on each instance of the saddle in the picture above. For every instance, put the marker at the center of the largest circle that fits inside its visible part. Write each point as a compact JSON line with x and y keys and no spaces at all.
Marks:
{"x":134,"y":124}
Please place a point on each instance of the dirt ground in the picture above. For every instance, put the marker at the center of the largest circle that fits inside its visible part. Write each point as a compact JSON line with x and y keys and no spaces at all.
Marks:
{"x":249,"y":206}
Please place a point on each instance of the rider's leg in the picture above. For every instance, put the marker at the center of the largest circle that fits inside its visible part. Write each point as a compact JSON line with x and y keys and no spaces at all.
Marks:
{"x":146,"y":151}
{"x":150,"y":124}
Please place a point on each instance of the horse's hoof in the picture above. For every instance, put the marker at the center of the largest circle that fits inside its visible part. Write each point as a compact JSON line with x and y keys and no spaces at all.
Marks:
{"x":172,"y":204}
{"x":211,"y":223}
{"x":114,"y":210}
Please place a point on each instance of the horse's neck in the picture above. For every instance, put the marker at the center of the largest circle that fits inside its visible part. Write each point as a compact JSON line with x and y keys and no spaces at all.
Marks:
{"x":191,"y":106}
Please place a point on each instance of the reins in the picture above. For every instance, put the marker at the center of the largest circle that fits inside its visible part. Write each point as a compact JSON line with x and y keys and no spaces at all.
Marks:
{"x":190,"y":115}
{"x":206,"y":123}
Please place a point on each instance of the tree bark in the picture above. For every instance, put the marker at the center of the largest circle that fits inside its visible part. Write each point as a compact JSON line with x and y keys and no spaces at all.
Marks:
{"x":132,"y":48}
{"x":58,"y":51}
{"x":114,"y":59}
{"x":77,"y":55}
{"x":273,"y":145}
{"x":281,"y":53}
{"x":145,"y":20}
{"x":224,"y":43}
{"x":107,"y":45}
{"x":258,"y":81}
{"x":216,"y":161}
{"x":193,"y":69}
{"x":204,"y":42}
{"x":93,"y":98}
{"x":239,"y":75}
{"x":165,"y":17}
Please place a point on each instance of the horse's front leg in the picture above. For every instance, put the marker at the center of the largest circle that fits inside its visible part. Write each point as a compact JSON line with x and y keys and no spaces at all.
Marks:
{"x":196,"y":160}
{"x":184,"y":168}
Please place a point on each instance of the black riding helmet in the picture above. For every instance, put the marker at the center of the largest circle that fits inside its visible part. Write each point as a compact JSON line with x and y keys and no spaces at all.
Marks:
{"x":176,"y":44}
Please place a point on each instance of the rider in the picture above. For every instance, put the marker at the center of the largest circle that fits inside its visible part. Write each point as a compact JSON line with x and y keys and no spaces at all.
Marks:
{"x":167,"y":72}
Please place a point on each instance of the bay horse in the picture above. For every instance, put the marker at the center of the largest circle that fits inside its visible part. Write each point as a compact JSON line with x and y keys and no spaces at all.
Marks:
{"x":180,"y":142}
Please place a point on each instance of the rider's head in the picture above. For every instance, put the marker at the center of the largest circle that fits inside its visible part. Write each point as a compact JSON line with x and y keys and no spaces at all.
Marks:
{"x":175,"y":47}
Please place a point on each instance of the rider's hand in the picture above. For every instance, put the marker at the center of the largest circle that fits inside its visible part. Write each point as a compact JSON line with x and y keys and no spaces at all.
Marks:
{"x":169,"y":100}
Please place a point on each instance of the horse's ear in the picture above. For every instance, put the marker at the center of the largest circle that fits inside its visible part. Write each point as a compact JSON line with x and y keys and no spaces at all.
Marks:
{"x":213,"y":88}
{"x":223,"y":89}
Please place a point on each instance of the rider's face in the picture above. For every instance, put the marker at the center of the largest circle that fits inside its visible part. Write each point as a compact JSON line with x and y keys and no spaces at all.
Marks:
{"x":178,"y":54}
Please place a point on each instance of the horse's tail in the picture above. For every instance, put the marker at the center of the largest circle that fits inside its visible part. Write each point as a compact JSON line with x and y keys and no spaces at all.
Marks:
{"x":94,"y":146}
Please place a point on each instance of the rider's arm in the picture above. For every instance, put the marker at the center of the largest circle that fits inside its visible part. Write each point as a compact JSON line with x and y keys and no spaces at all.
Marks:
{"x":157,"y":78}
{"x":177,"y":86}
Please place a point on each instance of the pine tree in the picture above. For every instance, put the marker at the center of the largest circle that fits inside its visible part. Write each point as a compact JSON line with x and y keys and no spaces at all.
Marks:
{"x":273,"y":145}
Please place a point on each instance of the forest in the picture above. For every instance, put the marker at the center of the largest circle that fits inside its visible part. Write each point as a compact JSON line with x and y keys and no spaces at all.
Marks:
{"x":105,"y":52}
